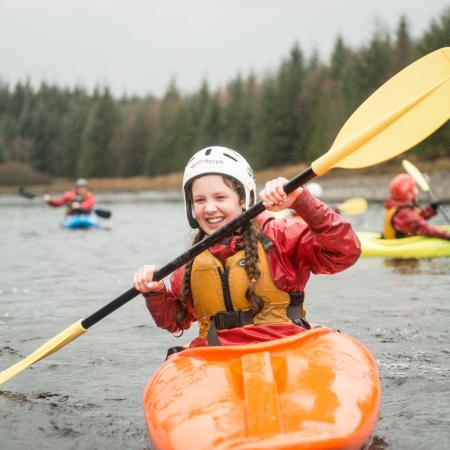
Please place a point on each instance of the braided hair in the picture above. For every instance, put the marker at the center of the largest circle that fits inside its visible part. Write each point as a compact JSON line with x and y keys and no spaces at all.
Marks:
{"x":250,"y":242}
{"x":251,"y":267}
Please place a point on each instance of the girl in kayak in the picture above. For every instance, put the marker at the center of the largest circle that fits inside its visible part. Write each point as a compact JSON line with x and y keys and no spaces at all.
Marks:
{"x":249,"y":287}
{"x":402,"y":215}
{"x":78,"y":200}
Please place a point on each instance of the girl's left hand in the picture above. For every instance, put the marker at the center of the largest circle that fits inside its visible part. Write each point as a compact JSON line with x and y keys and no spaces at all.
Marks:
{"x":274,"y":198}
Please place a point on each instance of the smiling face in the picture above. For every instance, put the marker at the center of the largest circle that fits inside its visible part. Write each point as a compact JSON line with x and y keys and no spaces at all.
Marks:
{"x":215,"y":202}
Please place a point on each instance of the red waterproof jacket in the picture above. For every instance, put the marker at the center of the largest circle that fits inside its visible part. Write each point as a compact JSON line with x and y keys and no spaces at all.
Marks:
{"x":87,"y":202}
{"x":324,"y":243}
{"x":412,"y":221}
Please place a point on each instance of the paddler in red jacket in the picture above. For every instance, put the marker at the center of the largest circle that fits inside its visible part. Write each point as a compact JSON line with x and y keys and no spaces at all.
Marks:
{"x":78,"y":200}
{"x":402,"y":215}
{"x":249,"y":287}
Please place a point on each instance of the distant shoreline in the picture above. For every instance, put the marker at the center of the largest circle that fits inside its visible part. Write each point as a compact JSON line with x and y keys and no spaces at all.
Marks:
{"x":339,"y":184}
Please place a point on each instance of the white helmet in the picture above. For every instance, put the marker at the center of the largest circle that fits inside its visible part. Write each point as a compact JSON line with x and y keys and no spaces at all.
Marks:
{"x":218,"y":160}
{"x":315,"y":189}
{"x":81,"y":182}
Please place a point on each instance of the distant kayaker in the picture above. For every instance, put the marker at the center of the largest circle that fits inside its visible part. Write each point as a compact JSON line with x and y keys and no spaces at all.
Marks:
{"x":403,"y":216}
{"x":78,"y":200}
{"x":249,"y":287}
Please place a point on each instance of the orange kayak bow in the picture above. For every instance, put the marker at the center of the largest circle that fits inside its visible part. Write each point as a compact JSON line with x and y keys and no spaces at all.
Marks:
{"x":315,"y":390}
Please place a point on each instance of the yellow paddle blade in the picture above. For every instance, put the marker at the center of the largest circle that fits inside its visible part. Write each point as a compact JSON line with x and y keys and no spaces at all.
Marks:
{"x":54,"y":344}
{"x":401,"y":113}
{"x":412,"y":170}
{"x":353,"y":206}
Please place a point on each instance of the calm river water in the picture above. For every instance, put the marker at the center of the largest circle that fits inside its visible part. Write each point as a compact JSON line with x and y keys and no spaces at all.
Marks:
{"x":88,"y":395}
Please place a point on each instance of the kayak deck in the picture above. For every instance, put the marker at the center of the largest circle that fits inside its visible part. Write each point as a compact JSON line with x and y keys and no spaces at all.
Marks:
{"x":373,"y":245}
{"x":80,"y":221}
{"x":317,"y":389}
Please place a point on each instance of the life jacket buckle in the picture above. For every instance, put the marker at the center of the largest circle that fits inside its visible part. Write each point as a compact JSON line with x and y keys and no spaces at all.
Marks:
{"x":227,"y":320}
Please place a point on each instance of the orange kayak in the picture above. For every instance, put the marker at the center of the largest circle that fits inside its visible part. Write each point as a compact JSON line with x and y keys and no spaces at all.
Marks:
{"x":315,"y":390}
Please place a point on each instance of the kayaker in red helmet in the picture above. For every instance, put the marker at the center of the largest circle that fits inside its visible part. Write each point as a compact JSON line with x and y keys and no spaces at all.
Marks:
{"x":402,"y":215}
{"x":78,"y":200}
{"x":249,"y":287}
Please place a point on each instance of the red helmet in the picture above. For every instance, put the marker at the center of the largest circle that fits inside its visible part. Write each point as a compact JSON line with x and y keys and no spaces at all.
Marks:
{"x":403,"y":188}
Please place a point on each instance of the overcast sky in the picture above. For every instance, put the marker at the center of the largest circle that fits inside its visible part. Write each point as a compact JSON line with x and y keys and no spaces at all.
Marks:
{"x":138,"y":46}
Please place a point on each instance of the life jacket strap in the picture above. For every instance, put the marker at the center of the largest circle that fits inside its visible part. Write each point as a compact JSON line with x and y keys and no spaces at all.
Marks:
{"x":176,"y":349}
{"x":226,"y":320}
{"x":295,"y":310}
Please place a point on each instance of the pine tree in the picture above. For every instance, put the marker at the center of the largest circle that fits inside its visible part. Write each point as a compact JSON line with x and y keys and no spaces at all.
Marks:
{"x":237,"y":116}
{"x":96,"y":156}
{"x":404,"y":51}
{"x":211,"y":126}
{"x":68,"y":149}
{"x":132,"y":140}
{"x":157,"y":159}
{"x":263,"y":150}
{"x":438,"y":34}
{"x":288,"y":137}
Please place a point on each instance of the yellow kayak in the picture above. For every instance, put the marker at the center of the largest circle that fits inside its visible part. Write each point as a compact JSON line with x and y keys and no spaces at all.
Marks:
{"x":314,"y":390}
{"x":373,"y":245}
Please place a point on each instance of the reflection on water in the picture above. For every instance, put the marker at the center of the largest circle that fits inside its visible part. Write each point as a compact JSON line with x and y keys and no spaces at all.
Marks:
{"x":418,"y":266}
{"x":89,"y":394}
{"x":403,"y":266}
{"x":378,"y":443}
{"x":15,"y":396}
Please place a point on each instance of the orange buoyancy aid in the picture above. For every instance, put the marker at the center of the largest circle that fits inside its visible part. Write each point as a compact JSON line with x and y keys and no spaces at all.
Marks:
{"x":216,"y":288}
{"x":390,"y":232}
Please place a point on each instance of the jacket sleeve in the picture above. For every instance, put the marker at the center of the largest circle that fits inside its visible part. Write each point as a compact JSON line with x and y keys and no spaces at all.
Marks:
{"x":67,"y":197}
{"x":411,"y":223}
{"x":164,"y":306}
{"x":324,"y":243}
{"x":428,"y":211}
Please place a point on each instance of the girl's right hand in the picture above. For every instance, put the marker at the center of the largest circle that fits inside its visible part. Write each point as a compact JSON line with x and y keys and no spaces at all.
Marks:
{"x":274,"y":198}
{"x":143,"y":280}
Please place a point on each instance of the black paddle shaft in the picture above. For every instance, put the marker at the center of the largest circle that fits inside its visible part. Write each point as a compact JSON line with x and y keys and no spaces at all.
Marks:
{"x":441,"y":209}
{"x":196,"y":249}
{"x":23,"y":193}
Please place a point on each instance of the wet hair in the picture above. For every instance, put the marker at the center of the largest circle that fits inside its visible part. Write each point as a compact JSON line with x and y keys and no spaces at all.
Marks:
{"x":250,"y":243}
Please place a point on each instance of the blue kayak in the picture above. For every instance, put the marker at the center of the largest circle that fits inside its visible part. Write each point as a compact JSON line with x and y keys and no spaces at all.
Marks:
{"x":80,"y":221}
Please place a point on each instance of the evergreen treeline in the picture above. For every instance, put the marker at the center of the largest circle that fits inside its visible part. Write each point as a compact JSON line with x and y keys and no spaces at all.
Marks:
{"x":289,"y":116}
